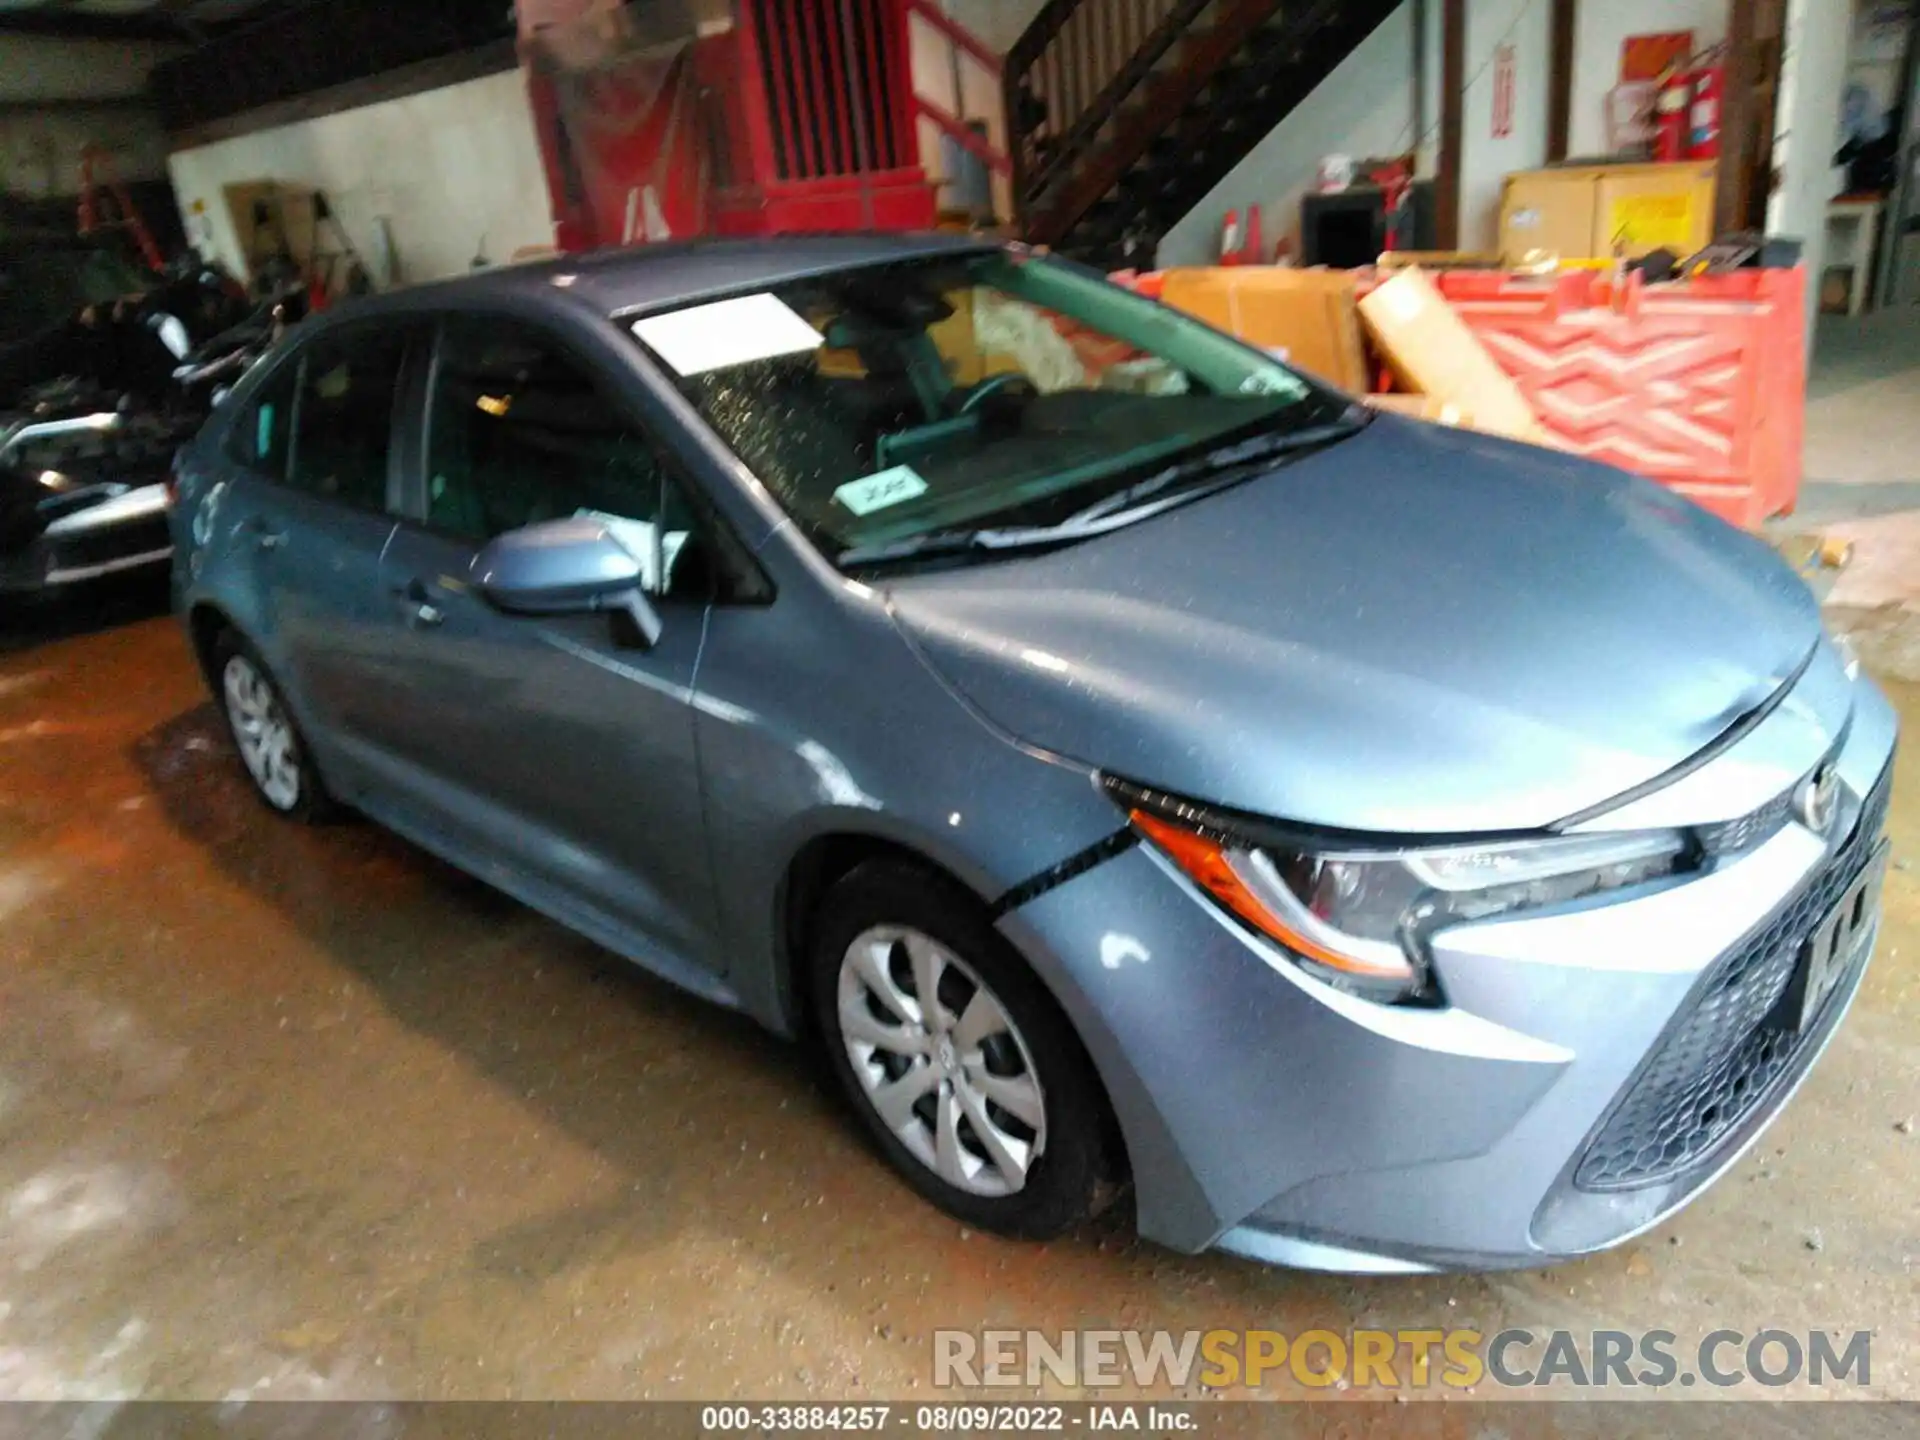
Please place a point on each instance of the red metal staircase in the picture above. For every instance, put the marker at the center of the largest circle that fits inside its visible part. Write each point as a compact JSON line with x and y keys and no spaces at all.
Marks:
{"x":1123,"y":114}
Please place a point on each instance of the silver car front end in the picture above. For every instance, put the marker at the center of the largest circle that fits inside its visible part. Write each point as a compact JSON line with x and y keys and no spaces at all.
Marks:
{"x":1579,"y":1072}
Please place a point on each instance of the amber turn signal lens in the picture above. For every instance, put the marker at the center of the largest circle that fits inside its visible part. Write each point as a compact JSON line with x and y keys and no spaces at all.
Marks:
{"x":1207,"y":862}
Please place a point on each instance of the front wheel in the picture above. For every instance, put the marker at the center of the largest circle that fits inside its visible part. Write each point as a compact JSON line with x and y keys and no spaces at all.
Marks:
{"x":955,"y":1056}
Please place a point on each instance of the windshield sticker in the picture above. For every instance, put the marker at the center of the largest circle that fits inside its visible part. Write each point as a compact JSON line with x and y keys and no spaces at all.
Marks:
{"x":727,"y":332}
{"x":1262,"y":383}
{"x":881,"y":489}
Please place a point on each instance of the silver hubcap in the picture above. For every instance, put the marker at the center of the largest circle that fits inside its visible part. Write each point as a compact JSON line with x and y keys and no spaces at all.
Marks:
{"x":264,"y":734}
{"x":941,"y":1061}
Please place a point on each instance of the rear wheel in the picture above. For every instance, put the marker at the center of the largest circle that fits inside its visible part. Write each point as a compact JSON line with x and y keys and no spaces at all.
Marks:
{"x":270,"y":744}
{"x":959,"y":1063}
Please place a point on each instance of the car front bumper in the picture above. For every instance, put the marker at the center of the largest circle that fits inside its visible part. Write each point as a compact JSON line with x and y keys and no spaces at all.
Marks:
{"x":1593,"y":1068}
{"x":127,"y":531}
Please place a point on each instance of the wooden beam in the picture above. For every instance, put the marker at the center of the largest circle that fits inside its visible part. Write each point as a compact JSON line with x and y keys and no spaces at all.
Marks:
{"x":1419,"y":10}
{"x":1742,"y":149}
{"x":1453,"y":100}
{"x":1560,"y":23}
{"x":85,"y":25}
{"x":412,"y":79}
{"x":133,"y":104}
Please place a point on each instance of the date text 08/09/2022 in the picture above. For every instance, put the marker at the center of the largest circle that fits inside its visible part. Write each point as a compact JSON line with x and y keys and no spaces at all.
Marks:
{"x":942,"y":1419}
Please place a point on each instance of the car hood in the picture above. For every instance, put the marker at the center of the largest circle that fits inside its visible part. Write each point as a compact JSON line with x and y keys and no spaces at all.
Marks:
{"x":1416,"y":631}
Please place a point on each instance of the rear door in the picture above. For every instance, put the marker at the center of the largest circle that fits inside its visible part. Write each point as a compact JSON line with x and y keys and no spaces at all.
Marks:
{"x":554,"y":750}
{"x":312,"y":505}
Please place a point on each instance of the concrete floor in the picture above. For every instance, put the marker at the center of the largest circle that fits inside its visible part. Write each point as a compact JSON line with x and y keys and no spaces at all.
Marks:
{"x":303,"y":1113}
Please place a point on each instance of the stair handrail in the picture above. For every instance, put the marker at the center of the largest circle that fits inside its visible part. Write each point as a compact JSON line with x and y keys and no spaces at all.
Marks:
{"x":1111,"y":86}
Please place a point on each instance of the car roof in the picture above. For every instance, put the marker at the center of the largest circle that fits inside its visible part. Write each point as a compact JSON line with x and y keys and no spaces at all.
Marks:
{"x":637,"y":278}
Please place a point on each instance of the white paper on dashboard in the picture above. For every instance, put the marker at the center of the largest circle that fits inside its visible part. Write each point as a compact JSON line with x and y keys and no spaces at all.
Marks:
{"x":727,"y":332}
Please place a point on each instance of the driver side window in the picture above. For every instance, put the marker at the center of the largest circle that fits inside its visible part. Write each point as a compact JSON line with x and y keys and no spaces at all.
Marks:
{"x":518,"y":433}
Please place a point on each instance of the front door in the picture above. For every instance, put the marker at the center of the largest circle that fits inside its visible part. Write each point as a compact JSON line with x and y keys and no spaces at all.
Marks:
{"x":555,"y":753}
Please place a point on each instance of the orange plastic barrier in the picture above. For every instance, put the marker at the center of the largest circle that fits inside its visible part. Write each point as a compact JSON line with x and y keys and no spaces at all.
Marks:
{"x":1147,"y":282}
{"x":1699,"y":384}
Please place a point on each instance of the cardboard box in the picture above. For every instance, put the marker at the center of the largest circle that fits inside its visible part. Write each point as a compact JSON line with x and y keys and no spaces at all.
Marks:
{"x":1308,"y":314}
{"x":1549,"y":210}
{"x":1582,"y":212}
{"x":1432,"y":352}
{"x":1422,"y":407}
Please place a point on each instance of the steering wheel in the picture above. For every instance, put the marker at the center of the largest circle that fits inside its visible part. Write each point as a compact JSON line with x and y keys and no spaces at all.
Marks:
{"x":995,"y":385}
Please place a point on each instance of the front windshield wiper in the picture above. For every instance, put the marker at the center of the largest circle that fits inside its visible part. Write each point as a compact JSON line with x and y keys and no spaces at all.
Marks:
{"x":1176,"y":484}
{"x":930,"y":544}
{"x":1216,"y":465}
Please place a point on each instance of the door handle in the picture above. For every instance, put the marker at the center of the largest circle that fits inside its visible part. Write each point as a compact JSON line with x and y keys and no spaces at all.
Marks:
{"x":419,"y":606}
{"x":265,"y":537}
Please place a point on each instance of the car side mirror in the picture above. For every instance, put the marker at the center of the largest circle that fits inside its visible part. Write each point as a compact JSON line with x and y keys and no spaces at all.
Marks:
{"x":565,"y":567}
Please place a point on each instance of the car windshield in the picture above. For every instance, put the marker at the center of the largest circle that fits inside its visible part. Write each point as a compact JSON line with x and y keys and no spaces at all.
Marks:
{"x":928,"y":398}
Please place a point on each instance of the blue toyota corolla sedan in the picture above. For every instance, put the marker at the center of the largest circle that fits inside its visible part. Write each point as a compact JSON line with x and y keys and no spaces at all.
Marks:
{"x":1380,"y":847}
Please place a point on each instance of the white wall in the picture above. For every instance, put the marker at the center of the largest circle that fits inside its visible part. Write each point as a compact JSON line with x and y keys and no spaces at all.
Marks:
{"x":449,"y":170}
{"x":1364,"y":108}
{"x":1485,"y":161}
{"x":1599,"y":28}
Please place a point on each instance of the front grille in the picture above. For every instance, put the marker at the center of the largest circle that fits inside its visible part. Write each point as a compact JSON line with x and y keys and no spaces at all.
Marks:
{"x":1732,"y":836}
{"x":1722,"y":1059}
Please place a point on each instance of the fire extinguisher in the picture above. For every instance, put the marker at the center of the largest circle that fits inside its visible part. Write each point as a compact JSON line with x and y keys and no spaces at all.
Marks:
{"x":1670,"y":107}
{"x":1703,"y":119}
{"x":1232,"y":238}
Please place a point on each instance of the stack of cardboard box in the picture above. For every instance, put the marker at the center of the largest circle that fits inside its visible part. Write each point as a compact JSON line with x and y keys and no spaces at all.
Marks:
{"x":1314,"y":320}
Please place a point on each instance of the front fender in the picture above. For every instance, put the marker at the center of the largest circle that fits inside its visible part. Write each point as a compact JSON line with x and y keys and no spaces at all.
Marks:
{"x":820,"y":721}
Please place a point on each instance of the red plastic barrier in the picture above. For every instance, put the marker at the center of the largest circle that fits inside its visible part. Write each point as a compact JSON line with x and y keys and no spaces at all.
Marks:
{"x":1699,"y":385}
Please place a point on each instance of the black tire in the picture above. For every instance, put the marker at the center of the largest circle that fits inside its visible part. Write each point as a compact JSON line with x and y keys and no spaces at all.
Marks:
{"x":1076,"y":1173}
{"x":310,"y":804}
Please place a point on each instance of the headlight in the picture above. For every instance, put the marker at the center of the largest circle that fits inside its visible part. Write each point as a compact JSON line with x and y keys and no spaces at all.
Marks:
{"x":1359,"y":916}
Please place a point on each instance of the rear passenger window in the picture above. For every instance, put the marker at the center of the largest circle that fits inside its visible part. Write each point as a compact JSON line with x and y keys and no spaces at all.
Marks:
{"x":260,"y":438}
{"x":344,"y":419}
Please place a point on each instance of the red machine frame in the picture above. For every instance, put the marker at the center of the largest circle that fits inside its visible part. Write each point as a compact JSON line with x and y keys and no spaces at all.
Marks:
{"x":787,"y":115}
